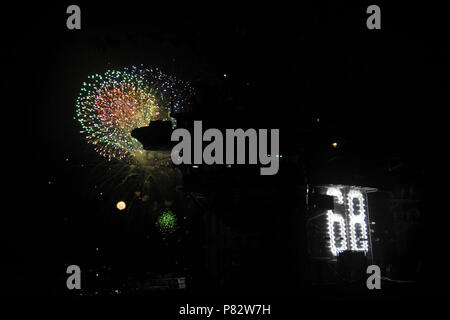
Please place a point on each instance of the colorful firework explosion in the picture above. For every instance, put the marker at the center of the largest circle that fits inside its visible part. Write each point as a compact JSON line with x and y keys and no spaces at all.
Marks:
{"x":112,"y":104}
{"x":166,"y":222}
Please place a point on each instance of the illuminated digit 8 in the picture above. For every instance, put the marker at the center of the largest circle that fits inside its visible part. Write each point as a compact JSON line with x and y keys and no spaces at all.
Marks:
{"x":357,"y":217}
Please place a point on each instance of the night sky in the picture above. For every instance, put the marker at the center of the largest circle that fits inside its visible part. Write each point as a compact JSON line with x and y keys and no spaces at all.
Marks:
{"x":314,"y":71}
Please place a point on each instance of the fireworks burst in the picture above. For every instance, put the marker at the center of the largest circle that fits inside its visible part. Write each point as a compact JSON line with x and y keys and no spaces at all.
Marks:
{"x":166,"y":223}
{"x":112,"y":104}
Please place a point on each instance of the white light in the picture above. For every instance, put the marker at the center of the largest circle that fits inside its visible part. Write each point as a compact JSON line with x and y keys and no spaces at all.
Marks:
{"x":332,"y":220}
{"x":335,"y":192}
{"x":357,"y":217}
{"x":351,"y":223}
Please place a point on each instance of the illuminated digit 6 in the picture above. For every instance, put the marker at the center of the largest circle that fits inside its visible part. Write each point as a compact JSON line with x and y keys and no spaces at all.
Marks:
{"x":338,"y":240}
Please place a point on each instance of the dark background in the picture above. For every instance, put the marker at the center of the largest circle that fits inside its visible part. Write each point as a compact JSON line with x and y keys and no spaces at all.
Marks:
{"x":378,"y":93}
